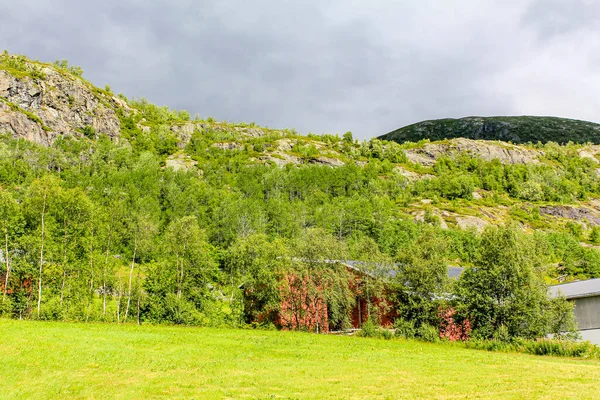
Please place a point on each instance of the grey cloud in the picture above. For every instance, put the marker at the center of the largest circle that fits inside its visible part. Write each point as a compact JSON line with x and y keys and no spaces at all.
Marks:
{"x":314,"y":66}
{"x":552,"y":18}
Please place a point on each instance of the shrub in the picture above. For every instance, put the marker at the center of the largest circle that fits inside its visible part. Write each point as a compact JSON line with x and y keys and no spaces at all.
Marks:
{"x":551,"y":347}
{"x":428,"y":333}
{"x":368,"y":329}
{"x":451,"y":329}
{"x":405,"y":329}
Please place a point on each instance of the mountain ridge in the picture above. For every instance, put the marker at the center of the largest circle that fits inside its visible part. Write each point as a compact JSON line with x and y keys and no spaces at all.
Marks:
{"x":515,"y":129}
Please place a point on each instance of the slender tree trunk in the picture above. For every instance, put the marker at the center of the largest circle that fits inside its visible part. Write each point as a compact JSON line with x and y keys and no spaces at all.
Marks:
{"x":182,"y":261}
{"x":119,"y":304}
{"x":7,"y":261}
{"x":64,"y":276}
{"x":92,"y":263}
{"x":138,"y":297}
{"x":130,"y":279}
{"x":105,"y":272}
{"x":39,"y":304}
{"x":177,"y":264}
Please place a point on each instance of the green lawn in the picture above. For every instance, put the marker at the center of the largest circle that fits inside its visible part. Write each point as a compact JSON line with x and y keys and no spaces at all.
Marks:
{"x":44,"y":360}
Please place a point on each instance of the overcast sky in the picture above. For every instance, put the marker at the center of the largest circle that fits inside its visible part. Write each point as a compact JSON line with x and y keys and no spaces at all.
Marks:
{"x":326,"y":65}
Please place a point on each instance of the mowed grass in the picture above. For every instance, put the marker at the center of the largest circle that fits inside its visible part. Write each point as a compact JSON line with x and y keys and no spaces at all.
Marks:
{"x":44,"y":360}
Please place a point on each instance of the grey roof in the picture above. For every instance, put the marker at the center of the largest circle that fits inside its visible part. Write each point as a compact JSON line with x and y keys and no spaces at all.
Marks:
{"x":574,"y":290}
{"x":453,"y":270}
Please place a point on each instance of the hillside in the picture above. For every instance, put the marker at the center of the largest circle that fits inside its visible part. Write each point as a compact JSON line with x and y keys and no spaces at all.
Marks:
{"x":523,"y":129}
{"x":115,"y":209}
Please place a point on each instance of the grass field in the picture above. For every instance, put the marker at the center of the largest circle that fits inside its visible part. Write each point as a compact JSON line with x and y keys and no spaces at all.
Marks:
{"x":43,"y":360}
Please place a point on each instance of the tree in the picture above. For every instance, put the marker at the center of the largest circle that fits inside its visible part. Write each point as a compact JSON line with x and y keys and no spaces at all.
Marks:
{"x":317,"y":282}
{"x":505,"y":287}
{"x":421,"y":283}
{"x":11,"y":225}
{"x":258,"y":267}
{"x":42,"y":193}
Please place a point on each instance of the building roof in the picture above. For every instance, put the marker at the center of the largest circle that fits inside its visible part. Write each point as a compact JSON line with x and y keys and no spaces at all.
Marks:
{"x":577,"y":289}
{"x":453,"y":270}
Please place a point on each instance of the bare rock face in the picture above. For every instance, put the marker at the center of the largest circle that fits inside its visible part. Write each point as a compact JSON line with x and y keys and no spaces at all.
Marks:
{"x":228,"y":146}
{"x":506,"y":153}
{"x":180,"y":163}
{"x":184,"y":133}
{"x":573,"y":213}
{"x":58,"y":105}
{"x":411,"y":176}
{"x":281,"y":159}
{"x":332,"y":162}
{"x":466,"y":222}
{"x":20,"y":125}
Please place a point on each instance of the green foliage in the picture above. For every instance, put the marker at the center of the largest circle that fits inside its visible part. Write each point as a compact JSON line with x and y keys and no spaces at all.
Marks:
{"x":72,"y":69}
{"x":504,"y":294}
{"x":229,"y":237}
{"x":421,"y":281}
{"x":405,"y":329}
{"x":522,"y":129}
{"x":540,"y":347}
{"x":428,"y":333}
{"x":20,"y":66}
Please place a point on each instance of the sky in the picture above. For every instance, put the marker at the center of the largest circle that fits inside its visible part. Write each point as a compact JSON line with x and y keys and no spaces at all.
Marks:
{"x":326,"y":66}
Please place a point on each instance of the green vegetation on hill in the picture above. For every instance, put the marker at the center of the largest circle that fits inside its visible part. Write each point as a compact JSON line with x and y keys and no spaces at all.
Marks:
{"x":182,"y":220}
{"x":521,"y":129}
{"x":55,"y":361}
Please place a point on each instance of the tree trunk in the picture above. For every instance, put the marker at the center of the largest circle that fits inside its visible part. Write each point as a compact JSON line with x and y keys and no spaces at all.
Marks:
{"x":130,"y":279}
{"x":7,"y":261}
{"x":92,"y":263}
{"x":105,"y":272}
{"x":180,"y":284}
{"x":64,"y":276}
{"x":39,"y":304}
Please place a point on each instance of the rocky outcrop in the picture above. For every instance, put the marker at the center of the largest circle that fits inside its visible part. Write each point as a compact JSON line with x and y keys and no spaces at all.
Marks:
{"x":180,"y":163}
{"x":228,"y":146}
{"x":184,"y":133}
{"x":411,"y":176}
{"x":573,"y":213}
{"x":469,"y":222}
{"x":281,"y":159}
{"x":332,"y":162}
{"x":504,"y":152}
{"x":42,"y":109}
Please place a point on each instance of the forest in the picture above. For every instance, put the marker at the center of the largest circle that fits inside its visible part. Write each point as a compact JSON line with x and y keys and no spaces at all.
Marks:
{"x":97,"y":228}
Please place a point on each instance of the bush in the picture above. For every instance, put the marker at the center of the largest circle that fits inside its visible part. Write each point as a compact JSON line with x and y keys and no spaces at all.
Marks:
{"x":369,"y":329}
{"x":551,"y":347}
{"x":540,"y":347}
{"x":405,"y":329}
{"x":428,"y":333}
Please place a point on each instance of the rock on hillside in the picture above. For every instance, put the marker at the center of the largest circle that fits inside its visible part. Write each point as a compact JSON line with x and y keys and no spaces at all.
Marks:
{"x":42,"y":109}
{"x":505,"y":152}
{"x":514,"y":129}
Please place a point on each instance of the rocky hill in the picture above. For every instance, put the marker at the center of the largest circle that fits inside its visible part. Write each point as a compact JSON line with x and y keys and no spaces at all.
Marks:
{"x":517,"y":130}
{"x":454,"y":182}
